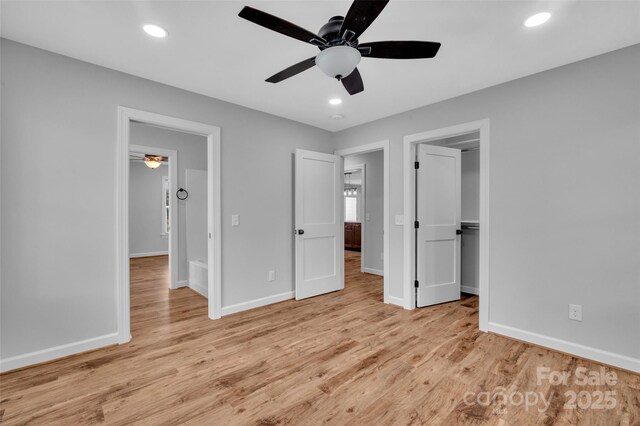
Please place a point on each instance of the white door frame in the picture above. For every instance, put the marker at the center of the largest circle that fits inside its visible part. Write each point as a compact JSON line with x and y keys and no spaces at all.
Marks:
{"x":364,"y":149}
{"x":409,"y":155}
{"x":362,"y":210}
{"x":172,"y":156}
{"x":212,"y":133}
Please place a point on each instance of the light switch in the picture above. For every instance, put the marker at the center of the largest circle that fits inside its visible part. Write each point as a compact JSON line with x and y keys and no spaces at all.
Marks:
{"x":399,"y":219}
{"x":235,"y":220}
{"x":368,"y":217}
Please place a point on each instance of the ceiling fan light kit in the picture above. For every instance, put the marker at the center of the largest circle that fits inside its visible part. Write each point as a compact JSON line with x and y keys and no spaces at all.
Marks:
{"x":152,"y":163}
{"x":339,"y":61}
{"x":340,"y":49}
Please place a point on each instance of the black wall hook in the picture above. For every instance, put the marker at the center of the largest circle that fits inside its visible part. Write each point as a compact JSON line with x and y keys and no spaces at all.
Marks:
{"x":182,"y":197}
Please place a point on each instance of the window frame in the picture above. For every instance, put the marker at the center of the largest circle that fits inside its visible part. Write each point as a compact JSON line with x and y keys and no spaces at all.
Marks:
{"x":165,"y":228}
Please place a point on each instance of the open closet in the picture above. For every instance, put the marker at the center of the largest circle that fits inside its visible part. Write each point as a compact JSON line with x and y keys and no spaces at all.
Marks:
{"x":447,"y":183}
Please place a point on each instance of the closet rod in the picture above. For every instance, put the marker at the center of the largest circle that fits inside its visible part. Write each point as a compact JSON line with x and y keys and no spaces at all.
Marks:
{"x":470,"y":149}
{"x":477,"y":227}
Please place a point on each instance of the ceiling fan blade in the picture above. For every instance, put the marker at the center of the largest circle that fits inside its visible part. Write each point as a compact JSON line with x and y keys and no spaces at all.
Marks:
{"x":361,"y":14}
{"x":278,"y":25}
{"x":353,"y":82}
{"x":292,"y":70}
{"x":401,"y":49}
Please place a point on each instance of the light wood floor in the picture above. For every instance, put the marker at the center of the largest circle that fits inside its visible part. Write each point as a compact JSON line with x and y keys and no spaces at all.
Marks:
{"x":342,"y":358}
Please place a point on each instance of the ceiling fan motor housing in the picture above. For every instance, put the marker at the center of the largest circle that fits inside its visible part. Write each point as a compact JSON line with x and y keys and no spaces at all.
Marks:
{"x":331,"y":33}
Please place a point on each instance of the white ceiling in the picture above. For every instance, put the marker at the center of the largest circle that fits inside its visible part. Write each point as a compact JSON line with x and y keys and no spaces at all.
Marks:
{"x":210,"y":50}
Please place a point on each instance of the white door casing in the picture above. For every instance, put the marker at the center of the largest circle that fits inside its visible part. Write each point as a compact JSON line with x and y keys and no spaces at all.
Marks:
{"x":319,"y":230}
{"x":438,"y":210}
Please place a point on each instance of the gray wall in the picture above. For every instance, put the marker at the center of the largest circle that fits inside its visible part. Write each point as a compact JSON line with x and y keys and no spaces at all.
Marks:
{"x":145,"y":209}
{"x":470,"y":185}
{"x":374,"y":202}
{"x":58,"y":220}
{"x":565,"y":204}
{"x":192,"y":154}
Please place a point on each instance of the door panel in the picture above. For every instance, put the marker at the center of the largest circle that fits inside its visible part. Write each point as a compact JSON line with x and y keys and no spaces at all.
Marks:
{"x":438,"y":214}
{"x":318,"y":206}
{"x":319,"y":257}
{"x":319,"y":223}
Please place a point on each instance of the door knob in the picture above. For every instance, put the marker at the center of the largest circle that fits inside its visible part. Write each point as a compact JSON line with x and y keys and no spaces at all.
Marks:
{"x":300,"y":231}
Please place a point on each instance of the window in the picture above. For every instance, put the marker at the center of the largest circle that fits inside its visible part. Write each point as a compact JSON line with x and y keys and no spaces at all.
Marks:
{"x":351,"y":208}
{"x":166,"y":227}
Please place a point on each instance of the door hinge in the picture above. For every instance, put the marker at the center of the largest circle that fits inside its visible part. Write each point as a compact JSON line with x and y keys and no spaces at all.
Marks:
{"x":458,"y":231}
{"x":416,"y":284}
{"x":416,"y":224}
{"x":416,"y":165}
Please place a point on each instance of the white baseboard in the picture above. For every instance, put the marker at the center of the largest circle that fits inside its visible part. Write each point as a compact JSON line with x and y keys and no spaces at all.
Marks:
{"x":198,"y":288}
{"x":373,"y":271}
{"x":49,"y":354}
{"x":149,"y":254}
{"x":610,"y":358}
{"x":396,"y":301}
{"x":232,"y":309}
{"x":180,"y":284}
{"x":469,"y":289}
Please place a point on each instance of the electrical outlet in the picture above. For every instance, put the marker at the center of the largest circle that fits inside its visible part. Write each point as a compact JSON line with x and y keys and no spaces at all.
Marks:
{"x":272,"y":275}
{"x":575,"y":312}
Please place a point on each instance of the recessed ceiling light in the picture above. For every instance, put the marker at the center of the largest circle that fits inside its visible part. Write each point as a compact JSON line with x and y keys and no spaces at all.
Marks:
{"x":335,"y":101}
{"x":337,"y":116}
{"x":155,"y":31}
{"x":537,"y":19}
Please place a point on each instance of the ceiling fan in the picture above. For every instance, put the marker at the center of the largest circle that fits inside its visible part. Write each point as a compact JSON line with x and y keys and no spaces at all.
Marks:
{"x":340,"y":49}
{"x":151,"y":161}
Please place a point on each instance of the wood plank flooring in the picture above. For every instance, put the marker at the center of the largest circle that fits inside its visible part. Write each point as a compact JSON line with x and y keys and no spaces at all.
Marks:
{"x":341,"y":358}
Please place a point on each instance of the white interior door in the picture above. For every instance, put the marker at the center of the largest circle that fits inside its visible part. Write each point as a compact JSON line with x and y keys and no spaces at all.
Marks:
{"x":438,"y":215}
{"x":318,"y":223}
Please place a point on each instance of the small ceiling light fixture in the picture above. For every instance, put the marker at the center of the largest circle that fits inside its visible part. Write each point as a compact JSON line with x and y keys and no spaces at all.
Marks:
{"x":155,"y":31}
{"x":152,"y":161}
{"x":335,"y":101}
{"x":337,"y":116}
{"x":537,"y":19}
{"x":338,"y":61}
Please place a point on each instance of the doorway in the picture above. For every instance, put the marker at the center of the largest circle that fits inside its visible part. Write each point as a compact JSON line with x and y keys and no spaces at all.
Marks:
{"x":152,"y":224}
{"x":471,"y":137}
{"x":355,"y":209}
{"x":128,"y":117}
{"x":367,"y":185}
{"x":447,"y":218}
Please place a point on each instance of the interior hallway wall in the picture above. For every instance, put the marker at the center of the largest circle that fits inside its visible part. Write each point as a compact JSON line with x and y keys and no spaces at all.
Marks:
{"x":58,"y":220}
{"x":565,"y":205}
{"x":374,"y":207}
{"x":145,"y":209}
